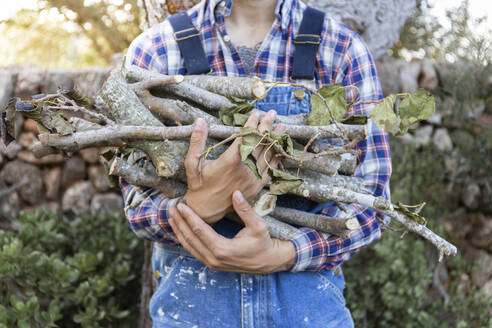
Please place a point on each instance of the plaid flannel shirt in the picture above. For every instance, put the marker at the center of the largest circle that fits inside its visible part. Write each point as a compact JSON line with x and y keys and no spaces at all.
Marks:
{"x":342,"y":58}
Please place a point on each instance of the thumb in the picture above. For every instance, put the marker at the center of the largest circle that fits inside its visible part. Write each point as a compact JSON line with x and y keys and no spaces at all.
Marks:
{"x":198,"y":140}
{"x":250,"y":218}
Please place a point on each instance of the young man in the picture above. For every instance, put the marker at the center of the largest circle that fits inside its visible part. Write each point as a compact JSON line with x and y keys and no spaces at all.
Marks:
{"x":214,"y":273}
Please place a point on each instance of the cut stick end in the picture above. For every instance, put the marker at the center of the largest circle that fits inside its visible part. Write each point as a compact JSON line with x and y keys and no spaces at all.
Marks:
{"x":178,"y":78}
{"x":163,"y":170}
{"x":258,"y":89}
{"x":265,"y":204}
{"x":352,"y":224}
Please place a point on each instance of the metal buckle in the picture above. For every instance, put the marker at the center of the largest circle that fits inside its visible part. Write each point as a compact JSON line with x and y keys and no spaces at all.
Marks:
{"x":318,"y":38}
{"x":295,"y":80}
{"x":186,"y":36}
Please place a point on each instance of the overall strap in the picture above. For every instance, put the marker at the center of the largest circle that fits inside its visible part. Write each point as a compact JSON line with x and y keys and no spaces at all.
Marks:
{"x":307,"y":43}
{"x":189,"y":43}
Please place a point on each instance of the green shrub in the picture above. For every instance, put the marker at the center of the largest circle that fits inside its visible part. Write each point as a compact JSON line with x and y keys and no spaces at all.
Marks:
{"x":72,"y":272}
{"x":390,"y":284}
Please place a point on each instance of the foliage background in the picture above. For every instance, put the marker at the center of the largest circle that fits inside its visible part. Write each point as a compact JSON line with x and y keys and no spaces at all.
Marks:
{"x":71,"y":272}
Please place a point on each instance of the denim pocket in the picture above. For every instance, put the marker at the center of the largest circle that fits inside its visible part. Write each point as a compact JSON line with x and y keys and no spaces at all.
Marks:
{"x":333,"y":282}
{"x":191,"y":295}
{"x":163,"y":264}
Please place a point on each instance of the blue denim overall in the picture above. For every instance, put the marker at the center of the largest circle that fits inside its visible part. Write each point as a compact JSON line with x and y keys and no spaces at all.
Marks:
{"x":191,"y":295}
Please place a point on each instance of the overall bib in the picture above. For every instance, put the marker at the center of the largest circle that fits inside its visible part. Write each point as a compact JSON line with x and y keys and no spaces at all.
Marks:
{"x":191,"y":295}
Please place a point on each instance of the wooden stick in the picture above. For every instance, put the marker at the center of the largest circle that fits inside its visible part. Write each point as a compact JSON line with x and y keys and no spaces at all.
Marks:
{"x":355,"y":184}
{"x":239,"y":87}
{"x":348,"y":164}
{"x":328,"y":165}
{"x":159,"y":132}
{"x":324,"y":193}
{"x":146,"y":177}
{"x":39,"y":150}
{"x":322,"y":223}
{"x":127,"y":109}
{"x":175,"y":110}
{"x":186,"y":90}
{"x":276,"y":228}
{"x":444,"y":247}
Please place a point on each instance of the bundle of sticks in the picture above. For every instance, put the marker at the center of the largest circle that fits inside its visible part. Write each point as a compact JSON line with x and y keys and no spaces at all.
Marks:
{"x":154,"y":114}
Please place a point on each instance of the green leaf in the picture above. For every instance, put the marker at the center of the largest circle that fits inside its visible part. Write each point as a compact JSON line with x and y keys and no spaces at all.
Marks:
{"x":121,"y":314}
{"x":284,"y":140}
{"x":3,"y":315}
{"x":416,"y":107}
{"x":283,"y":182}
{"x":414,"y":216}
{"x":42,"y":129}
{"x":383,"y":115}
{"x":252,"y":163}
{"x":235,"y":116}
{"x":337,"y":100}
{"x":77,"y":96}
{"x":17,"y":303}
{"x":23,"y":324}
{"x":249,"y":143}
{"x":239,"y":119}
{"x":355,"y":120}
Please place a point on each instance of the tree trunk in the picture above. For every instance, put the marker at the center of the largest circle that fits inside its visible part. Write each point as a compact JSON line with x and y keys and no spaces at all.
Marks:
{"x":157,"y":10}
{"x":144,"y":320}
{"x":378,"y":21}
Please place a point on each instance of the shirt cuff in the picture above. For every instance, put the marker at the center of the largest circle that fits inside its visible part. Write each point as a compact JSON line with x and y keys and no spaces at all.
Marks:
{"x":309,"y":255}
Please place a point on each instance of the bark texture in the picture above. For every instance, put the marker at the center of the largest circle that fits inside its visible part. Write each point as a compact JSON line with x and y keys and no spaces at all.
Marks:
{"x":238,"y":87}
{"x":185,"y":90}
{"x":144,"y":320}
{"x":334,"y":226}
{"x":157,"y":10}
{"x":127,"y":109}
{"x":146,"y":177}
{"x":276,"y":228}
{"x":378,"y":21}
{"x":322,"y":193}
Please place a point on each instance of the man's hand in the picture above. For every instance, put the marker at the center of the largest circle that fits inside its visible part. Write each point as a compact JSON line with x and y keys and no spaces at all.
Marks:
{"x":211,"y":186}
{"x":250,"y":251}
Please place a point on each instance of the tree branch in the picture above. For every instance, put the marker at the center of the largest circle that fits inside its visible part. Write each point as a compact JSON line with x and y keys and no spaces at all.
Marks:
{"x":322,"y":223}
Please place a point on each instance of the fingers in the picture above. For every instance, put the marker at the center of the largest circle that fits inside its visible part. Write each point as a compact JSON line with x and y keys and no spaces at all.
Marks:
{"x":199,"y":228}
{"x":267,"y":121}
{"x":198,"y":140}
{"x":250,"y":218}
{"x":253,"y":120}
{"x":185,"y":236}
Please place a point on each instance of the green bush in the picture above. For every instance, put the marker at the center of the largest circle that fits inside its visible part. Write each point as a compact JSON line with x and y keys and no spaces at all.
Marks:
{"x":69,"y":272}
{"x":390,"y":284}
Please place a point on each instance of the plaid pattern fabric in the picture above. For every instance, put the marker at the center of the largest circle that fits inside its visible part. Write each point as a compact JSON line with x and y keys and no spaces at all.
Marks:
{"x":342,"y":58}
